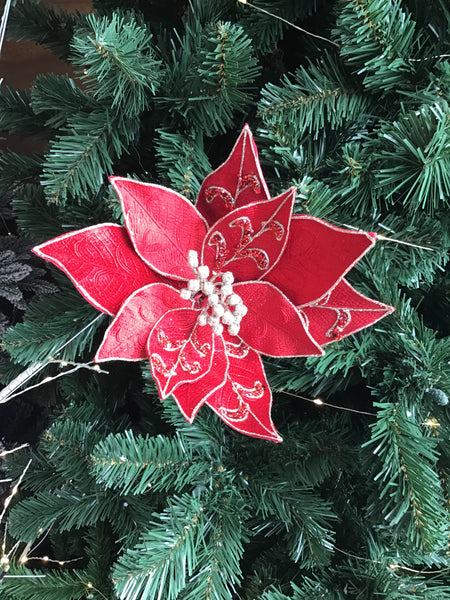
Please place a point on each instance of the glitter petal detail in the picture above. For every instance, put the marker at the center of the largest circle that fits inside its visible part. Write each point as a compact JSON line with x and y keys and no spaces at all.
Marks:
{"x":166,"y":343}
{"x":343,"y":319}
{"x":219,"y":193}
{"x":240,"y":350}
{"x":222,"y":253}
{"x":249,"y":181}
{"x":277,"y":228}
{"x":158,"y":365}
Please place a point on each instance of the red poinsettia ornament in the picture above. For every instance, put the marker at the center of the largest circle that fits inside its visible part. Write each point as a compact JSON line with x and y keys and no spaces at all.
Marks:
{"x":202,"y":291}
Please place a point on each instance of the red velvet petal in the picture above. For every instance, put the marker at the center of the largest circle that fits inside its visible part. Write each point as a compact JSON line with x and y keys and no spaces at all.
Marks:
{"x":341,"y":313}
{"x":190,"y":397}
{"x":101,"y":262}
{"x":237,"y":182}
{"x":179,"y":349}
{"x":244,"y":402}
{"x":316,"y":257}
{"x":126,"y":337}
{"x":163,"y":225}
{"x":250,"y":240}
{"x":273,"y":326}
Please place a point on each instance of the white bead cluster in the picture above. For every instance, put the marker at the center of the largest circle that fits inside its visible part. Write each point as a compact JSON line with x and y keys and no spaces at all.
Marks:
{"x":223,"y":306}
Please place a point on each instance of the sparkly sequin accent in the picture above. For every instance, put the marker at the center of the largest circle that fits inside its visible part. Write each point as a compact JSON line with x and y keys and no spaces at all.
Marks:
{"x":277,"y":228}
{"x":250,"y":180}
{"x":192,"y":368}
{"x":159,"y":366}
{"x":237,"y":350}
{"x":343,"y":319}
{"x":166,"y":343}
{"x":203,"y":349}
{"x":214,"y":192}
{"x":256,"y":392}
{"x":236,"y":414}
{"x":247,"y":231}
{"x":222,"y":253}
{"x":259,"y":256}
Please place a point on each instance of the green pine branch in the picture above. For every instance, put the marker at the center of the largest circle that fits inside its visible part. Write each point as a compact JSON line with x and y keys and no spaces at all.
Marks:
{"x":83,"y":153}
{"x":33,"y":584}
{"x":57,"y":98}
{"x":313,"y":100}
{"x":409,"y":483}
{"x":136,"y":464}
{"x":118,"y":61}
{"x":182,"y":161}
{"x":210,"y":76}
{"x":49,"y":26}
{"x":50,"y":323}
{"x":377,"y":40}
{"x":16,"y":114}
{"x":166,"y":554}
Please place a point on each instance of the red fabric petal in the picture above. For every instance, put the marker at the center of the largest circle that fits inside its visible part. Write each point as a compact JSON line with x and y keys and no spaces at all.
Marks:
{"x":237,"y":182}
{"x":163,"y":225}
{"x":126,"y":337}
{"x":250,"y":240}
{"x":190,"y":397}
{"x":316,"y":257}
{"x":179,"y":349}
{"x":273,"y":326}
{"x":244,"y":402}
{"x":342,"y":312}
{"x":101,"y":262}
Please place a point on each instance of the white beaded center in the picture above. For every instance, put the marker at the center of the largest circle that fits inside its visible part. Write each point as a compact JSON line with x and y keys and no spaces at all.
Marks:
{"x":222,"y":305}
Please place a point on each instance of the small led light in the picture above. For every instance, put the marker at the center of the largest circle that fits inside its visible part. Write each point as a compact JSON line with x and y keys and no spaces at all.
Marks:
{"x":318,"y":401}
{"x":45,"y":559}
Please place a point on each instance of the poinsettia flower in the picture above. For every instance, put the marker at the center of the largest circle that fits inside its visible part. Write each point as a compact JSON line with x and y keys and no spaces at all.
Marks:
{"x":203,"y":291}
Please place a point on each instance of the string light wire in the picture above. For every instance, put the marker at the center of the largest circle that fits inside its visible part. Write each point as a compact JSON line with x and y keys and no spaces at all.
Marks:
{"x":266,"y":12}
{"x":9,"y":391}
{"x":320,"y":402}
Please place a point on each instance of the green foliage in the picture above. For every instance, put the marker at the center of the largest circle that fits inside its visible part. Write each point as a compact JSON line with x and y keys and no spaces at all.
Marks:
{"x":40,"y":585}
{"x":83,"y":154}
{"x":315,"y":98}
{"x":16,"y":115}
{"x":182,"y":161}
{"x":410,"y":483}
{"x":378,"y":40}
{"x":270,"y":30}
{"x":51,"y":27}
{"x":18,"y":169}
{"x":118,"y":61}
{"x":415,"y":151}
{"x":35,"y":218}
{"x":136,"y":464}
{"x":165,"y":554}
{"x":210,"y":76}
{"x":50,"y":323}
{"x":57,"y":98}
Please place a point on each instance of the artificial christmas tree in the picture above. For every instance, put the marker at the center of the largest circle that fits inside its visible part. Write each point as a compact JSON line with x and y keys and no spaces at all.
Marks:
{"x":354,"y":502}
